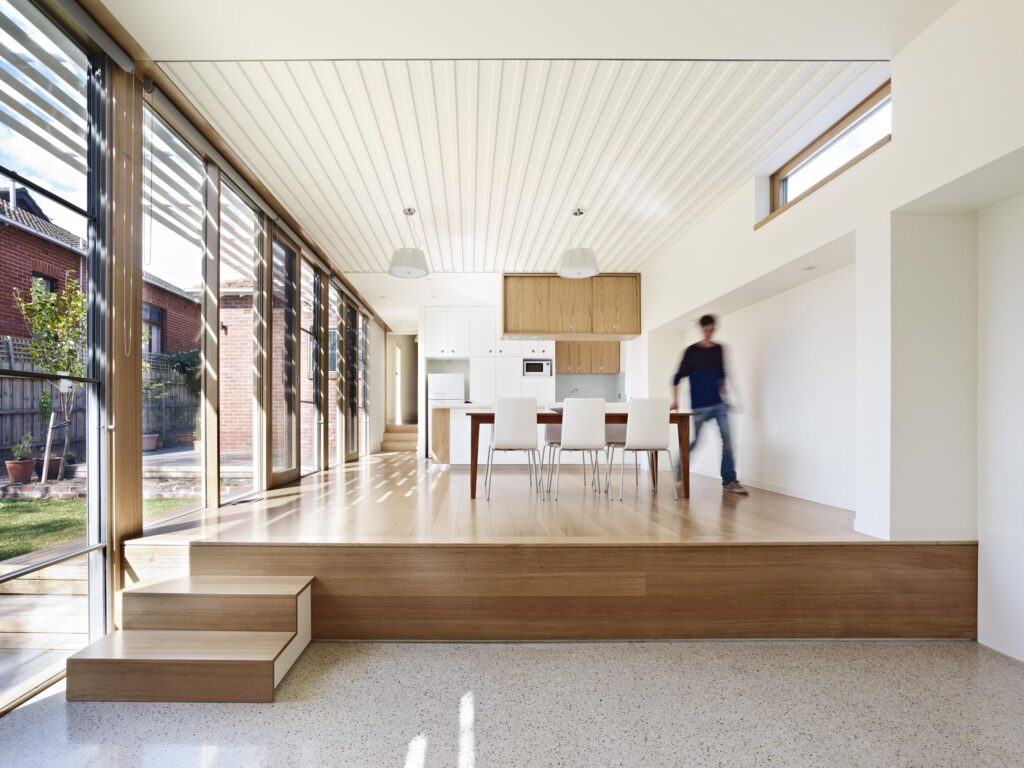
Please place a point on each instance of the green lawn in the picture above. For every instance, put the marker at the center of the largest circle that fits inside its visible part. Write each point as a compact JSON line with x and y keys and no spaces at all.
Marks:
{"x":30,"y":524}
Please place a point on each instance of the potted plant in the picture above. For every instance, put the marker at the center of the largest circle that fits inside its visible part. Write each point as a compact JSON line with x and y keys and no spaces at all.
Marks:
{"x":52,"y":468}
{"x":70,"y":464}
{"x":149,"y":441}
{"x":21,"y":463}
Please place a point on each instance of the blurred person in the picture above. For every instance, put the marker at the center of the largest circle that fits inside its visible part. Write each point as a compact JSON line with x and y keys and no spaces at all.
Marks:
{"x":703,"y":364}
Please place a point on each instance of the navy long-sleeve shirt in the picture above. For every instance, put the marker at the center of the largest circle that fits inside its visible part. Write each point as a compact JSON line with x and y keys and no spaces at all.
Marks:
{"x":705,"y":367}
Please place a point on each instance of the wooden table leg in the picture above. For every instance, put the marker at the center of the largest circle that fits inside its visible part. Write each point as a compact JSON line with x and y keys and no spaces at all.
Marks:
{"x":474,"y":450}
{"x":684,"y":454}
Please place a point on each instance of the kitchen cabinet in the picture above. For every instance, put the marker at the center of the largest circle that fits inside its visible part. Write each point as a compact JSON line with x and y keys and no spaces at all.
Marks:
{"x":483,"y":331}
{"x":552,"y":306}
{"x":481,"y":379}
{"x":587,"y":357}
{"x":571,"y":304}
{"x":616,"y":302}
{"x":509,"y":348}
{"x":527,"y":304}
{"x":540,"y":388}
{"x":508,"y":377}
{"x":446,"y":331}
{"x":537,"y":348}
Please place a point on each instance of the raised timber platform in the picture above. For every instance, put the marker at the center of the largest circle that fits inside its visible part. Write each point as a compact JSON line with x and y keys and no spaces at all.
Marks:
{"x":584,"y":592}
{"x":398,"y":551}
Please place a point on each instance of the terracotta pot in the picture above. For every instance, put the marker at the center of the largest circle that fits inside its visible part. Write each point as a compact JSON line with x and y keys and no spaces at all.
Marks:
{"x":149,"y":441}
{"x":51,"y":472}
{"x":20,"y":471}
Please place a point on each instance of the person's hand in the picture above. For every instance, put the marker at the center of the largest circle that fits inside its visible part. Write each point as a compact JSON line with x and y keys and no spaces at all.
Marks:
{"x":673,"y":406}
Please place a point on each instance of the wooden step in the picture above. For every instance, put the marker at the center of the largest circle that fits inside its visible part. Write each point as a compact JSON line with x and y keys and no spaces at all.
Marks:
{"x":396,"y":429}
{"x":172,"y":665}
{"x":243,"y":603}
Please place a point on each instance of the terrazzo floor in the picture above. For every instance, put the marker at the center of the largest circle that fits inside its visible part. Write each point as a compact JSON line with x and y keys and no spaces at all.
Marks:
{"x":813,"y":703}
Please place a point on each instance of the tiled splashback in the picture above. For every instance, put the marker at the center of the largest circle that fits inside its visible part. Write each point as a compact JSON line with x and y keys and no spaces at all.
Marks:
{"x":610,"y":386}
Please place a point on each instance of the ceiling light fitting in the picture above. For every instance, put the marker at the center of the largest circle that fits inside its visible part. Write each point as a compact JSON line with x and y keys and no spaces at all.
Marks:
{"x":578,"y":263}
{"x":409,"y":263}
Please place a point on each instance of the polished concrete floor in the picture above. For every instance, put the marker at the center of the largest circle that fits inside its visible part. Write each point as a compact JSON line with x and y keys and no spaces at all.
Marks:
{"x":836,"y":704}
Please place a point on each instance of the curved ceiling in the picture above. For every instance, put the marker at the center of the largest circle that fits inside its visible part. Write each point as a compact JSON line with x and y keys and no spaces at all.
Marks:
{"x":495,"y":154}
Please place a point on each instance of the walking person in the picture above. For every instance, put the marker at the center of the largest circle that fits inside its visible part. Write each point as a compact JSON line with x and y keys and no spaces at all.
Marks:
{"x":704,"y":364}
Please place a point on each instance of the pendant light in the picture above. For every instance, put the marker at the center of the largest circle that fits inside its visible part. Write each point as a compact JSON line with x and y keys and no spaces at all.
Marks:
{"x":409,"y":263}
{"x":578,"y":263}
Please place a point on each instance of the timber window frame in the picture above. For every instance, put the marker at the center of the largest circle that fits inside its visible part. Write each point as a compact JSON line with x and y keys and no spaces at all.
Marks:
{"x":845,"y":126}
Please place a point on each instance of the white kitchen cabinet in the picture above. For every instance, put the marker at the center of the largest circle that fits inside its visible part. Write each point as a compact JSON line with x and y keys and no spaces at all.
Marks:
{"x":537,"y":348}
{"x":458,"y":331}
{"x":508,"y":377}
{"x":483,"y":331}
{"x":541,"y":388}
{"x":509,"y":348}
{"x":435,"y":331}
{"x":481,"y":380}
{"x":446,"y":331}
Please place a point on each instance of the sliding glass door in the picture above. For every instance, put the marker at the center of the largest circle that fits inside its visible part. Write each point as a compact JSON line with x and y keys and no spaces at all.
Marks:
{"x":52,"y":349}
{"x":356,"y":383}
{"x":335,"y":414}
{"x":309,"y":368}
{"x":284,"y":394}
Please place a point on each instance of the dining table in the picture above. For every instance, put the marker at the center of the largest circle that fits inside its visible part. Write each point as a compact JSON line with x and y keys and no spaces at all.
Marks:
{"x":680,"y":419}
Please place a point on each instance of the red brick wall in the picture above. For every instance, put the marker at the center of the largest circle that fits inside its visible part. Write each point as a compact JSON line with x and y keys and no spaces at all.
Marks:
{"x":21,"y":254}
{"x":236,"y":373}
{"x":183,"y":319}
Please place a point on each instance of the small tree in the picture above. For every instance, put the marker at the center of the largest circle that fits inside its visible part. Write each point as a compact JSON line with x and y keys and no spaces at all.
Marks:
{"x":58,"y":322}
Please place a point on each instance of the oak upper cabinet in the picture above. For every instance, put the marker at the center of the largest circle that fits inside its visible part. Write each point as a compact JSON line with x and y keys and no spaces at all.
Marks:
{"x":547,"y":305}
{"x":616,"y":301}
{"x":573,"y":356}
{"x":604,"y":357}
{"x":483,"y":331}
{"x":527,"y":304}
{"x":571,"y":304}
{"x":587,"y":357}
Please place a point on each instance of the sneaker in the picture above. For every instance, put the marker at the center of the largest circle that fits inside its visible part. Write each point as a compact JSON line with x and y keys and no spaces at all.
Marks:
{"x":735,"y":487}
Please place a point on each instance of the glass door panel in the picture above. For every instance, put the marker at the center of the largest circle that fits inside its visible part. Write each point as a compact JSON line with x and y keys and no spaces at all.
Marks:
{"x":284,"y":400}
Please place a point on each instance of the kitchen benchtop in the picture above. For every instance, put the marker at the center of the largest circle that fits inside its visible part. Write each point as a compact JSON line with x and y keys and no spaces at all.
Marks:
{"x":612,"y":406}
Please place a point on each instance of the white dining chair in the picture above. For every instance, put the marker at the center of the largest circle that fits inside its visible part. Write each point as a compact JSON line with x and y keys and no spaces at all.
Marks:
{"x":647,"y":430}
{"x":582,"y":431}
{"x":615,"y":438}
{"x":515,"y":429}
{"x":552,"y":439}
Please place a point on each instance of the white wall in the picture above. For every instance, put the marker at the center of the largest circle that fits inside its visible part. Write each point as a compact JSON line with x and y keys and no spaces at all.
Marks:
{"x":375,"y":368}
{"x":934,"y":326}
{"x":791,"y":363}
{"x":932,"y":145}
{"x":1001,"y":427}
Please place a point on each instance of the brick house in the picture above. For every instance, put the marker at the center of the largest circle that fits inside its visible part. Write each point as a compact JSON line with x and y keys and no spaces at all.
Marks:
{"x":33,"y":247}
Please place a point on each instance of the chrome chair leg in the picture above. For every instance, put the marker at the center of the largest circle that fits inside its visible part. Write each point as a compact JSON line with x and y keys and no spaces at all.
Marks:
{"x":672,"y":478}
{"x":558,"y":473}
{"x":490,"y":465}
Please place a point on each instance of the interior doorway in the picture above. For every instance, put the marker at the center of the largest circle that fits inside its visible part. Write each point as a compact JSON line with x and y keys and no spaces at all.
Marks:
{"x":402,"y":379}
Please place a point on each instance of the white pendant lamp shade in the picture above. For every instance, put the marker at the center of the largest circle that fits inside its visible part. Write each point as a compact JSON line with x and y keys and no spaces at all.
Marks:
{"x":578,"y":263}
{"x":409,"y":263}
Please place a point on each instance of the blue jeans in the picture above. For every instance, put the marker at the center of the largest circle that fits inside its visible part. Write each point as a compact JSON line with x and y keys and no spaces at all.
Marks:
{"x":720,"y":414}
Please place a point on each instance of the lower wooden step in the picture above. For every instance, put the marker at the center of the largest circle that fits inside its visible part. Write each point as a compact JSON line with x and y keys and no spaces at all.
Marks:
{"x":171,"y":665}
{"x":400,"y":428}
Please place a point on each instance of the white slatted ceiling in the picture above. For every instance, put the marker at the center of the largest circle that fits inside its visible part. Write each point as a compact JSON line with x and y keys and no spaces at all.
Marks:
{"x":494,"y":154}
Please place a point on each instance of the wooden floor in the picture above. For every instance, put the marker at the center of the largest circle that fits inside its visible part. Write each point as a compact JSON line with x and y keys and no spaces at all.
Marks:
{"x":397,"y":498}
{"x":398,"y":551}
